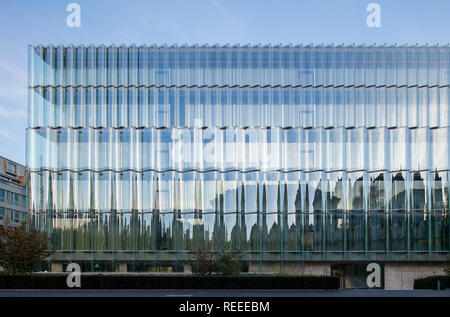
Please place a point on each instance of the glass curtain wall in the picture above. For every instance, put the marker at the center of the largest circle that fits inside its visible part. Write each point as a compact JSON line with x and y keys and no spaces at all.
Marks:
{"x":283,"y":153}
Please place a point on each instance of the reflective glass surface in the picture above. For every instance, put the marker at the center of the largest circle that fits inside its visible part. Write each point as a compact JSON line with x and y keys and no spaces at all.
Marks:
{"x":315,"y":153}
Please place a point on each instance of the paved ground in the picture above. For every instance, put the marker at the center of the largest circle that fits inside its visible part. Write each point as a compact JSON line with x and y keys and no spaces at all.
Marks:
{"x":223,"y":293}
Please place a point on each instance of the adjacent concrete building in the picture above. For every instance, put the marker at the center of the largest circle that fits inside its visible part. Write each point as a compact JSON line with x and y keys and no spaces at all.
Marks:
{"x":13,"y":203}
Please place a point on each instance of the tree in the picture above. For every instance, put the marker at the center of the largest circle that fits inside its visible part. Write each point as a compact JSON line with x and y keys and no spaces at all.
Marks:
{"x":203,"y":262}
{"x":20,"y":250}
{"x":228,"y":264}
{"x":206,"y":262}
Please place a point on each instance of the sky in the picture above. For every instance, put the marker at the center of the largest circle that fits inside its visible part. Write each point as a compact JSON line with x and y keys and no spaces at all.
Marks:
{"x":194,"y":22}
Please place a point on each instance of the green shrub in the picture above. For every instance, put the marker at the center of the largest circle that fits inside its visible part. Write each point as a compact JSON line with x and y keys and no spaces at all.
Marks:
{"x":228,"y":264}
{"x":135,"y":281}
{"x":431,"y":282}
{"x":203,"y":262}
{"x":206,"y":262}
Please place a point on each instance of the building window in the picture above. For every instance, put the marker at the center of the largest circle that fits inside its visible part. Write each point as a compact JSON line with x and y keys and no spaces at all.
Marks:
{"x":16,"y":216}
{"x":2,"y":196}
{"x":7,"y":214}
{"x":11,"y":168}
{"x":2,"y":212}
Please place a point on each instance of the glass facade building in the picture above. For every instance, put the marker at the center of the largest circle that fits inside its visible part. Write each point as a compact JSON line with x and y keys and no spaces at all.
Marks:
{"x":143,"y":154}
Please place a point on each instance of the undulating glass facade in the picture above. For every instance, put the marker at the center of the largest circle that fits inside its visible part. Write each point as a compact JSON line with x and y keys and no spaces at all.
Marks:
{"x":284,"y":153}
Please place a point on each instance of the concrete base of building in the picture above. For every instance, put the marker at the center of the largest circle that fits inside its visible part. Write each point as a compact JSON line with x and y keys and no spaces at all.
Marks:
{"x":291,"y":268}
{"x":401,"y":276}
{"x":56,"y":267}
{"x":187,"y":269}
{"x":397,"y":275}
{"x":123,"y":267}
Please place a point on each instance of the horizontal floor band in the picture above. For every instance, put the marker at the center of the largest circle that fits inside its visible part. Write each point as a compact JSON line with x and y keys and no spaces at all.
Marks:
{"x":54,"y":213}
{"x":237,"y":127}
{"x":240,"y":86}
{"x":231,"y":171}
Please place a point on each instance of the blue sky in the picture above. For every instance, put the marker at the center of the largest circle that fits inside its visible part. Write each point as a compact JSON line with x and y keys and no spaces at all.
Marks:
{"x":195,"y":21}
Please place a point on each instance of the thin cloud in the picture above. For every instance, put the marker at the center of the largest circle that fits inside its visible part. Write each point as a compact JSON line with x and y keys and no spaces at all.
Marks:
{"x":229,"y":19}
{"x":5,"y":134}
{"x":12,"y":113}
{"x":13,"y":83}
{"x":17,"y":74}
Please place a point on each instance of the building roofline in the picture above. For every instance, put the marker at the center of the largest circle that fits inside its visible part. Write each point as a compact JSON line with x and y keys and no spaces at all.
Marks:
{"x":237,"y":45}
{"x":12,"y":161}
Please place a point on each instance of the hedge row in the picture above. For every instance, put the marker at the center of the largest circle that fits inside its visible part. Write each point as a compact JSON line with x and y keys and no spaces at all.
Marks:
{"x":431,"y":282}
{"x":131,"y":281}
